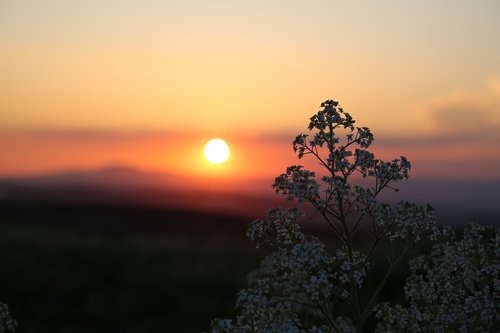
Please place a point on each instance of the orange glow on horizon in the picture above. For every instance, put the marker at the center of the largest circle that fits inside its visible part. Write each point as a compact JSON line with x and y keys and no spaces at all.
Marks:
{"x":251,"y":158}
{"x":31,"y":154}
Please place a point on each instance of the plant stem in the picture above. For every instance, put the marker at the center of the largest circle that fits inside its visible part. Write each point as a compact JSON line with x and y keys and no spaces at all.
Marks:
{"x":373,"y":299}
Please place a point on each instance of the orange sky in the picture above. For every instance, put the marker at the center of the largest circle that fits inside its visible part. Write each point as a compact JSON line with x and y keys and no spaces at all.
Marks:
{"x":85,"y":85}
{"x":257,"y":158}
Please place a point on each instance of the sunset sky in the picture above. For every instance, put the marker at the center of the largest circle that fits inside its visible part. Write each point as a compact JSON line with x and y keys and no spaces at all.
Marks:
{"x":144,"y":84}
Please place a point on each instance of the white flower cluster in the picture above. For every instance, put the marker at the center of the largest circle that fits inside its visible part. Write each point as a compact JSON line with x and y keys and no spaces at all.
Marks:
{"x":404,"y":220}
{"x":327,"y":123}
{"x":456,"y":288}
{"x":7,"y":324}
{"x":297,"y":183}
{"x":303,"y":287}
{"x":293,"y":289}
{"x":280,"y":229}
{"x":355,"y":269}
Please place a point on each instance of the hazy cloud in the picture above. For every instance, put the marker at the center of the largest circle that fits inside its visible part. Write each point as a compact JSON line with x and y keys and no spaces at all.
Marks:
{"x":78,"y":134}
{"x":467,"y":112}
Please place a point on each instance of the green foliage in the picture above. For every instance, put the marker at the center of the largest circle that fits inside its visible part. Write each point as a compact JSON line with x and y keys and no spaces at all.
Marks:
{"x":305,"y":287}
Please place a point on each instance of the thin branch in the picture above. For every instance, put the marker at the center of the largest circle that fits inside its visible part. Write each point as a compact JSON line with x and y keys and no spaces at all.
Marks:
{"x":371,"y":303}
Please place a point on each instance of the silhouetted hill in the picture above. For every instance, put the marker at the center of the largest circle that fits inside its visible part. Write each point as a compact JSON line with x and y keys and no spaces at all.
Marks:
{"x":114,"y":176}
{"x":124,"y":186}
{"x":457,"y":202}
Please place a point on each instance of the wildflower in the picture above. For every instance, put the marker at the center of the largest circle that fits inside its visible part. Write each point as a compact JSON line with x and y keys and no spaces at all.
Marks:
{"x":302,"y":285}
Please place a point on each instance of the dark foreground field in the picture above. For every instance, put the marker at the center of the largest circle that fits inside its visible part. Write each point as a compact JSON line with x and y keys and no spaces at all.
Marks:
{"x":81,"y":268}
{"x":69,"y":266}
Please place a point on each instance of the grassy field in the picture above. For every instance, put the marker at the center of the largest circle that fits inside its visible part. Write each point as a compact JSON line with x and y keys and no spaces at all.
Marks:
{"x":102,"y":269}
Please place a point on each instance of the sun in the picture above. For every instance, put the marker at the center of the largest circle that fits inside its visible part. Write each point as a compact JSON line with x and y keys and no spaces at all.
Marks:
{"x":216,"y":151}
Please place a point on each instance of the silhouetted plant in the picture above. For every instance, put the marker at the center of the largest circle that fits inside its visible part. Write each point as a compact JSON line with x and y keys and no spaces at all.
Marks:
{"x":304,"y":287}
{"x":453,"y":289}
{"x":7,"y":324}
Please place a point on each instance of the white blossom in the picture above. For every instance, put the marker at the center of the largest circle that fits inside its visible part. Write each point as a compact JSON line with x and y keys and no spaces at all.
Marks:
{"x":7,"y":323}
{"x":305,"y":286}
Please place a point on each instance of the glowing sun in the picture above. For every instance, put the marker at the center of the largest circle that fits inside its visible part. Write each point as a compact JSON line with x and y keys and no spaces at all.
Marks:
{"x":216,"y":151}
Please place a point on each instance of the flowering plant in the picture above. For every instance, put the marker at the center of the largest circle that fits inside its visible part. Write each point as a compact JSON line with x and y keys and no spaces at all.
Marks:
{"x":7,"y":324}
{"x":304,"y":286}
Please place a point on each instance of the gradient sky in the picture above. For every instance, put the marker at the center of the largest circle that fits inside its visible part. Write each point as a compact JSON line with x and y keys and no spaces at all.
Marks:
{"x":86,"y":84}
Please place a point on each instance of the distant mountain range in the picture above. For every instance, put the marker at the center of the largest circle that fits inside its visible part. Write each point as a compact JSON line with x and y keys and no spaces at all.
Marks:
{"x":110,"y":177}
{"x":127,"y":186}
{"x":126,"y":177}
